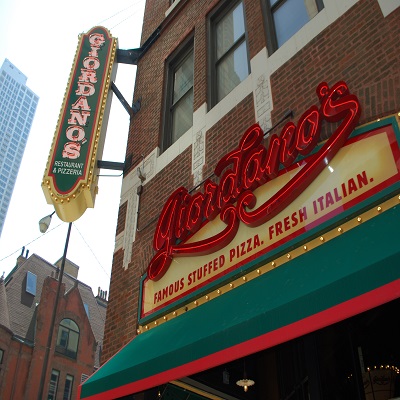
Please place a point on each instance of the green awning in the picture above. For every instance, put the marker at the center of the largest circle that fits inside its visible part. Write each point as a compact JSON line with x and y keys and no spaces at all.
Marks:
{"x":354,"y":272}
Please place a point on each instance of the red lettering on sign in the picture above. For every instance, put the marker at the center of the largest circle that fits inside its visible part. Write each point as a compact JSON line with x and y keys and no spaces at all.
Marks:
{"x":244,"y":169}
{"x":85,"y":88}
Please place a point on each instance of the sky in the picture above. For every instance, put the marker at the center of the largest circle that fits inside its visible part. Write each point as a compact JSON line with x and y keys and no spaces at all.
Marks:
{"x":40,"y":38}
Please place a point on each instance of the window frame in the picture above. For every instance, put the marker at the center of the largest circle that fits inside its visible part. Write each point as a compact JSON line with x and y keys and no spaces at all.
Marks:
{"x":64,"y":349}
{"x":53,"y":396}
{"x":68,"y":395}
{"x":86,"y":307}
{"x":31,"y":283}
{"x":270,"y":30}
{"x":174,"y":61}
{"x":214,"y":18}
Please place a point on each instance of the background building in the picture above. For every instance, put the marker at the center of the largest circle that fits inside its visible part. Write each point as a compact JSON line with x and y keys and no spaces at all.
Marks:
{"x":303,"y":302}
{"x":27,"y":297}
{"x":17,"y":108}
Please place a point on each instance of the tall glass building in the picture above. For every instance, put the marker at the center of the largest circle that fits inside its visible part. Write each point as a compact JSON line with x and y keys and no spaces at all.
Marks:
{"x":17,"y":107}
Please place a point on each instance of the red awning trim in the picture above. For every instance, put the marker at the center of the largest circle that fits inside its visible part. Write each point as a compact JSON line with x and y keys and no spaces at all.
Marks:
{"x":312,"y":323}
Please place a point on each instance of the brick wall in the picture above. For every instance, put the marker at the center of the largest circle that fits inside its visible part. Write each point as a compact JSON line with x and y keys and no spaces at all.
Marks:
{"x":150,"y":86}
{"x":360,"y":48}
{"x":20,"y":373}
{"x":15,"y":367}
{"x":191,"y":19}
{"x":70,"y":306}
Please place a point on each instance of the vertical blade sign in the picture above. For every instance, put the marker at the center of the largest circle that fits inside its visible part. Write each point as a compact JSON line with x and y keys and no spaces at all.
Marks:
{"x":70,"y":178}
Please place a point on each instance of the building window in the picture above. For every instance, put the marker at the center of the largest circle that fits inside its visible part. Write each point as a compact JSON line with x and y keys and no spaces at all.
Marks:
{"x":285,"y":17}
{"x":1,"y":356}
{"x":31,"y":283}
{"x":86,"y":306}
{"x":53,"y":385}
{"x":69,"y":382}
{"x":68,"y":338}
{"x":179,"y":99}
{"x":229,"y":56}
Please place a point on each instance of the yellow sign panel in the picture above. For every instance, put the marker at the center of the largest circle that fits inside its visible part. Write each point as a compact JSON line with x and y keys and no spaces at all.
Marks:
{"x":348,"y":179}
{"x":70,"y":179}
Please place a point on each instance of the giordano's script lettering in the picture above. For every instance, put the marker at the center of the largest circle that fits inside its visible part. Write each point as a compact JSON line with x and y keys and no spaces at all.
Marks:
{"x":246,"y":168}
{"x":80,"y":110}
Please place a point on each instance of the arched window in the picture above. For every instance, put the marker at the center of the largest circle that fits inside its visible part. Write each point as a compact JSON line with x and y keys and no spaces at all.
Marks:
{"x":67,"y":338}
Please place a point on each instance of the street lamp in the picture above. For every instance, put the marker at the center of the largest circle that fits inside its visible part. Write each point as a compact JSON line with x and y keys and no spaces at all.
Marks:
{"x":44,"y":223}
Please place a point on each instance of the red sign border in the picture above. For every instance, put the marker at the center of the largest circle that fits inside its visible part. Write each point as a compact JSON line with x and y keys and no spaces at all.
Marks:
{"x":358,"y":135}
{"x":73,"y":80}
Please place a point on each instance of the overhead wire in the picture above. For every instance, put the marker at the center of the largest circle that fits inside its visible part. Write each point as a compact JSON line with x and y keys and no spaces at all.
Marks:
{"x":119,"y":23}
{"x":112,"y":16}
{"x":52,"y":229}
{"x":46,"y":233}
{"x":94,"y":255}
{"x":34,"y":240}
{"x":119,"y":12}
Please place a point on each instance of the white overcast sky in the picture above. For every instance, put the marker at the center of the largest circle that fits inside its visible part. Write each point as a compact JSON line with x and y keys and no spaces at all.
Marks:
{"x":40,"y":38}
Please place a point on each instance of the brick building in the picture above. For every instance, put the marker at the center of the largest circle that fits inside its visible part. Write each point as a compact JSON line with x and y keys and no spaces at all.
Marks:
{"x":27,"y":297}
{"x":266,"y":251}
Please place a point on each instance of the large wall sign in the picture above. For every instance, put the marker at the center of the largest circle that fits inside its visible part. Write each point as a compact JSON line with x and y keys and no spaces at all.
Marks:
{"x":70,"y":178}
{"x":266,"y":197}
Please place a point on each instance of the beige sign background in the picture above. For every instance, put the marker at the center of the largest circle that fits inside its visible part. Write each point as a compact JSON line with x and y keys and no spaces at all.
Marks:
{"x":360,"y":167}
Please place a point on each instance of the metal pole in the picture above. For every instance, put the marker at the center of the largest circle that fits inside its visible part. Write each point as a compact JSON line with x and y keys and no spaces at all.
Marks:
{"x":53,"y":318}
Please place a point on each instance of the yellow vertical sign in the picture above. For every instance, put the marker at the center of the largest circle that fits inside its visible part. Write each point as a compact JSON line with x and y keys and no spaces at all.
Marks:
{"x":70,"y":179}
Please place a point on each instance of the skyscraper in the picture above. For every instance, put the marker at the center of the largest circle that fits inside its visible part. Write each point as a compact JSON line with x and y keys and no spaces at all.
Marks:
{"x":17,"y":107}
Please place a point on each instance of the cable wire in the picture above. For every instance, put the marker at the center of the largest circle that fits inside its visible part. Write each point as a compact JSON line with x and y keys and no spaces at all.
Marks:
{"x":34,"y":240}
{"x":94,"y":255}
{"x":119,"y":12}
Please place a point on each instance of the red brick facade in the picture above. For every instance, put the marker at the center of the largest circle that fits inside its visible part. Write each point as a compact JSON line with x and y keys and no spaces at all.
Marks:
{"x":25,"y":323}
{"x":360,"y":47}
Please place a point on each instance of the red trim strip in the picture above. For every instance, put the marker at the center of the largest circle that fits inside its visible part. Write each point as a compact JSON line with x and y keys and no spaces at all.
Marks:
{"x":340,"y":312}
{"x":386,"y":129}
